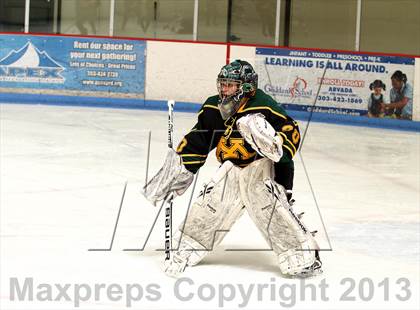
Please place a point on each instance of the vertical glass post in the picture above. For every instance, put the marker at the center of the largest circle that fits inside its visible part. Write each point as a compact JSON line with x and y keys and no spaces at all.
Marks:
{"x":111,"y":17}
{"x":55,"y":18}
{"x":195,"y":26}
{"x":358,"y":25}
{"x":277,"y":33}
{"x":27,"y":6}
{"x":155,"y":8}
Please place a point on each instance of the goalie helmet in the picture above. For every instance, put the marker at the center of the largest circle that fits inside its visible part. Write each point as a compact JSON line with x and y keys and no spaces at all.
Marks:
{"x":236,"y":81}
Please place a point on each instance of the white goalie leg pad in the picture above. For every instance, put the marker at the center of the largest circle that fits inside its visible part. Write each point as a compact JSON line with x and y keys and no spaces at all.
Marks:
{"x":183,"y":243}
{"x":188,"y":252}
{"x":261,"y":136}
{"x":267,"y":204}
{"x":295,"y":261}
{"x":216,"y":208}
{"x":213,"y":213}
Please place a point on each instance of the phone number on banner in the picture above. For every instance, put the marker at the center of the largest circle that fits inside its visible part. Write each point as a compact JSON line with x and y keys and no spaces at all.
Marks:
{"x":340,"y":99}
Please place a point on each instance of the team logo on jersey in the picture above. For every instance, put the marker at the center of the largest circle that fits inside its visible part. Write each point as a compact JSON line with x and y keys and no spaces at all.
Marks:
{"x":29,"y":64}
{"x":232,"y":148}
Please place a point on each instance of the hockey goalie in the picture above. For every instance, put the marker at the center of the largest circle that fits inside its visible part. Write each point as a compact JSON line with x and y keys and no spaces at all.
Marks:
{"x":255,"y":142}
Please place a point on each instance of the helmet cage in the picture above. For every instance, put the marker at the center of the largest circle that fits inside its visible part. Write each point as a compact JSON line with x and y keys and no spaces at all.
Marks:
{"x":229,"y":98}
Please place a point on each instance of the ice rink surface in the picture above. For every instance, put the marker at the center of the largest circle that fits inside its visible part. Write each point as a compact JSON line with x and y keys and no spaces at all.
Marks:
{"x":63,"y":172}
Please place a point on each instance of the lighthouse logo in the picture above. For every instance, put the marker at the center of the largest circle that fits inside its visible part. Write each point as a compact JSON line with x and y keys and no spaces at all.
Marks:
{"x":29,"y":65}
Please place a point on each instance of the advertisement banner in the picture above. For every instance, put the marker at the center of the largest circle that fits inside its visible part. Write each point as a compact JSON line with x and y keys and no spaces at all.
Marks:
{"x":353,"y":84}
{"x":72,"y":66}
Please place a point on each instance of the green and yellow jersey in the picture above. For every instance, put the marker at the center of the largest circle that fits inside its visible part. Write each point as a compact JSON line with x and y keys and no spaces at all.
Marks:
{"x":211,"y":131}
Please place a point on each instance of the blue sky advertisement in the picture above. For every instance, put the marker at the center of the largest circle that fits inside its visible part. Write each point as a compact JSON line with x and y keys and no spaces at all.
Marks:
{"x":72,"y":66}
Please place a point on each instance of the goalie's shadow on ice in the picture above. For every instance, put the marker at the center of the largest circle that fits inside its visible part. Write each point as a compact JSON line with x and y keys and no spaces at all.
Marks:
{"x":263,"y":260}
{"x":239,"y":257}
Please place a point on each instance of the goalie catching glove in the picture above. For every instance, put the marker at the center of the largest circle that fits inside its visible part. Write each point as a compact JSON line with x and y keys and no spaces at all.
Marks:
{"x":173,"y":177}
{"x":261,"y":136}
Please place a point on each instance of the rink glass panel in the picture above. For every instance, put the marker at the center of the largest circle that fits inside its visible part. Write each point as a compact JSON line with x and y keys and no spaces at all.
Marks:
{"x":85,"y":17}
{"x":135,"y":18}
{"x":253,"y":21}
{"x":12,"y":15}
{"x":164,"y":19}
{"x":212,"y":20}
{"x":175,"y":19}
{"x":391,"y":26}
{"x":323,"y":24}
{"x":43,"y":16}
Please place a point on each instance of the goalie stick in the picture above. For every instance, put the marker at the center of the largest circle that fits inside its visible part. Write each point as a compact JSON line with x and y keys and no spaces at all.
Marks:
{"x":169,"y":204}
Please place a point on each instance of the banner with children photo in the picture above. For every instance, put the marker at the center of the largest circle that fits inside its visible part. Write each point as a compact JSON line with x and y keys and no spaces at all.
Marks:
{"x":348,"y":83}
